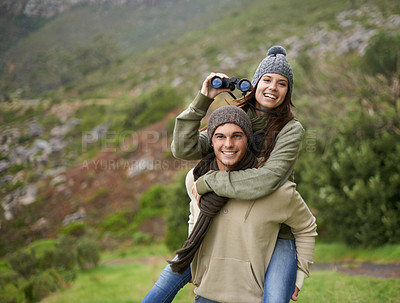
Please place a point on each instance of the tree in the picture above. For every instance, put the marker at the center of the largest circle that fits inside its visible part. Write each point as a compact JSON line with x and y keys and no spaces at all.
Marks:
{"x":177,"y":213}
{"x":355,"y":183}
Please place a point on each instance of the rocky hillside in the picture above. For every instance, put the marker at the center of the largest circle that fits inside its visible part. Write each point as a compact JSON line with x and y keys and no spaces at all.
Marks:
{"x":51,"y":8}
{"x":58,"y":195}
{"x":81,"y":148}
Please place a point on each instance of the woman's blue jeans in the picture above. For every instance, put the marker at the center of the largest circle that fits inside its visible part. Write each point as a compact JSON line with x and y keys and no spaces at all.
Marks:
{"x":167,"y":285}
{"x":280,"y":278}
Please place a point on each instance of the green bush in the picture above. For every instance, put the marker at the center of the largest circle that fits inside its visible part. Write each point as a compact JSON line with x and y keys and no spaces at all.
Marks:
{"x":36,"y":275}
{"x":153,"y":198}
{"x":117,"y":222}
{"x":41,"y":285}
{"x":48,"y":259}
{"x":382,"y":55}
{"x":140,"y":238}
{"x":10,"y":293}
{"x":65,"y":254}
{"x":88,"y":252}
{"x":24,"y":263}
{"x":177,"y":213}
{"x":75,"y":229}
{"x":355,"y":185}
{"x":152,"y":203}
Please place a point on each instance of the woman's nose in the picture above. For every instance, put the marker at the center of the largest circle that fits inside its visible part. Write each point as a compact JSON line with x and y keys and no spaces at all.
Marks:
{"x":272,"y":85}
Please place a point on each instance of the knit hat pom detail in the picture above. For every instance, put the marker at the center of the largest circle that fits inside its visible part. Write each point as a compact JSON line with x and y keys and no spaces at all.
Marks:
{"x":276,"y":63}
{"x":276,"y":50}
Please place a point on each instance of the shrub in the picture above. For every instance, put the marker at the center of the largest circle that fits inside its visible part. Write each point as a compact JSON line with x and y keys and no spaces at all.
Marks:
{"x":382,"y":55}
{"x":177,"y":213}
{"x":75,"y":229}
{"x":152,"y":203}
{"x":65,"y":254}
{"x":140,"y":238}
{"x":24,"y":263}
{"x":41,"y":285}
{"x":88,"y":253}
{"x":153,"y":198}
{"x":117,"y":221}
{"x":39,"y":274}
{"x":10,"y":293}
{"x":354,"y":186}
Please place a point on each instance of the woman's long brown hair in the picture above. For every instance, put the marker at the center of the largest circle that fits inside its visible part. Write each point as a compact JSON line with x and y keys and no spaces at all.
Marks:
{"x":276,"y":120}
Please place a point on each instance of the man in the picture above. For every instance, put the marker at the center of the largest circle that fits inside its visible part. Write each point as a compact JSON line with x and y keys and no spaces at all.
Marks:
{"x":231,"y":241}
{"x":229,"y":264}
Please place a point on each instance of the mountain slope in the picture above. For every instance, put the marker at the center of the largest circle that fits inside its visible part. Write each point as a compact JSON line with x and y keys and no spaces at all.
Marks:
{"x":131,"y":28}
{"x":322,"y":41}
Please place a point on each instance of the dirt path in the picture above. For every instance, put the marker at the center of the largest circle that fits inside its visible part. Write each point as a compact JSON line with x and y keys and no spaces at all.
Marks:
{"x":391,"y":270}
{"x":386,"y":271}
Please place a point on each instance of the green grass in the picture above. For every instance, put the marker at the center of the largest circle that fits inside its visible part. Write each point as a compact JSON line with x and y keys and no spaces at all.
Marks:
{"x":130,"y":281}
{"x":116,"y":283}
{"x":333,"y":287}
{"x":42,"y":245}
{"x":137,"y":252}
{"x":337,"y":252}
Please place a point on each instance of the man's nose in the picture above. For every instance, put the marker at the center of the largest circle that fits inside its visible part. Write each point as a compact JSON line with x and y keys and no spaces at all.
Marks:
{"x":228,"y":141}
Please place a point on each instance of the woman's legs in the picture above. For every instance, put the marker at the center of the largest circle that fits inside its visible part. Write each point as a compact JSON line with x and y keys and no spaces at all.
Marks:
{"x":167,"y":286}
{"x":280,"y":278}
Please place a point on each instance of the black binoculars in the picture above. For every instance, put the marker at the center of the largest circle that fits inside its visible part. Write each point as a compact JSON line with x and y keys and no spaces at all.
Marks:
{"x":242,"y":84}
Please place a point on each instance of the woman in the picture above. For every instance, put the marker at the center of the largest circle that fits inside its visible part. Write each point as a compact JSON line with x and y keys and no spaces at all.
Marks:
{"x":277,"y":141}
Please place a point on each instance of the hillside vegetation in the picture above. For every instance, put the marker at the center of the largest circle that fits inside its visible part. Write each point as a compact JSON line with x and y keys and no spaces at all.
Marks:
{"x":89,"y":97}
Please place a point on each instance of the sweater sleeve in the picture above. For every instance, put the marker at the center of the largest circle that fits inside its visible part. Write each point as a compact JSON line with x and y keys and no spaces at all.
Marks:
{"x":255,"y":183}
{"x":187,"y":142}
{"x":304,"y":229}
{"x":194,"y":210}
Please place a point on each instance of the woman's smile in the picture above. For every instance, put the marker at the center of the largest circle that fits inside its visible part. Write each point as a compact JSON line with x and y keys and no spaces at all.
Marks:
{"x":271,"y":91}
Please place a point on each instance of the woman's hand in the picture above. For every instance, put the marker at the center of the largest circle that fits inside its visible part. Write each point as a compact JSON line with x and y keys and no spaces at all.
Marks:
{"x":208,"y":90}
{"x":195,"y":193}
{"x":295,"y":294}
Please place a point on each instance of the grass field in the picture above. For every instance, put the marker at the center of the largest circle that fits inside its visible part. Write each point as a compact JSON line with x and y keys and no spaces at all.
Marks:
{"x":126,"y":276}
{"x":125,"y":283}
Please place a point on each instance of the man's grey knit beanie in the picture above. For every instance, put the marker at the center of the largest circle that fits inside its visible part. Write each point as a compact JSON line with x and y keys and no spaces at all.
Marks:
{"x":230,"y":114}
{"x":275,"y":62}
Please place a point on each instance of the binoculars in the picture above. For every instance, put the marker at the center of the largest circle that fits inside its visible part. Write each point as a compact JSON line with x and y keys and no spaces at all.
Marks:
{"x":242,"y":84}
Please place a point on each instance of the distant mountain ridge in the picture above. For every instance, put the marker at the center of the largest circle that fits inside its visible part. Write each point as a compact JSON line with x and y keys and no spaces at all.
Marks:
{"x":129,"y":25}
{"x":169,"y":44}
{"x":51,"y":8}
